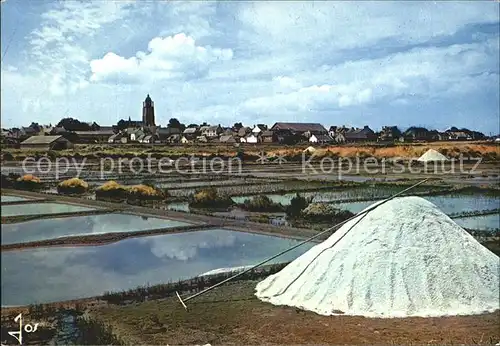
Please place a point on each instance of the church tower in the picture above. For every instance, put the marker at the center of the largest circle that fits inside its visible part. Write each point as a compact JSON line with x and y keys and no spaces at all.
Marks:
{"x":148,"y":112}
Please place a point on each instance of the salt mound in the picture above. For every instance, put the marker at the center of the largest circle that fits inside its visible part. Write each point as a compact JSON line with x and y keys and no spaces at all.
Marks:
{"x":309,"y":150}
{"x":404,"y":258}
{"x":226,"y":270}
{"x":432,"y":155}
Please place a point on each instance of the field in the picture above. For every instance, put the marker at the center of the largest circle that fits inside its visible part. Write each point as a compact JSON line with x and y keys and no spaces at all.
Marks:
{"x":488,"y":150}
{"x":75,"y":265}
{"x":232,"y":315}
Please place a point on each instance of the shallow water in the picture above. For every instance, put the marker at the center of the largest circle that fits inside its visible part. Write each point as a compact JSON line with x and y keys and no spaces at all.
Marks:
{"x":81,"y":225}
{"x":200,"y":183}
{"x":48,"y":275}
{"x":42,"y":208}
{"x":179,"y":206}
{"x":331,"y":195}
{"x":482,"y":223}
{"x":447,"y":204}
{"x":6,"y":198}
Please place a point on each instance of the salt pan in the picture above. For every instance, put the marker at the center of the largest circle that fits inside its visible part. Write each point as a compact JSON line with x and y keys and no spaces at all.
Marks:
{"x":404,"y":258}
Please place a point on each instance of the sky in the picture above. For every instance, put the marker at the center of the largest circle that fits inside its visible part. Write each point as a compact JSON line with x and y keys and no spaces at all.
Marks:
{"x":422,"y":63}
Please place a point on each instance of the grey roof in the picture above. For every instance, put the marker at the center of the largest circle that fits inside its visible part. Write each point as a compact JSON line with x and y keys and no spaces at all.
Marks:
{"x":106,"y":128}
{"x":190,"y":130}
{"x":364,"y":133}
{"x":29,"y":129}
{"x":116,"y":136}
{"x":41,"y":139}
{"x":244,"y":130}
{"x":267,"y":133}
{"x":299,"y":127}
{"x":95,"y":133}
{"x":324,"y":138}
{"x":226,"y":138}
{"x":168,"y":131}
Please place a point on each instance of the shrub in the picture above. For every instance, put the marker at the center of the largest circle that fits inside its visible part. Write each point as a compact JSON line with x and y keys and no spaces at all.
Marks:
{"x":73,"y":185}
{"x":51,"y":154}
{"x":143,"y":191}
{"x":7,"y":156}
{"x":8,"y":181}
{"x":28,"y":182}
{"x":297,"y":204}
{"x":261,"y":203}
{"x":209,"y":197}
{"x":325,"y":212}
{"x":111,"y":189}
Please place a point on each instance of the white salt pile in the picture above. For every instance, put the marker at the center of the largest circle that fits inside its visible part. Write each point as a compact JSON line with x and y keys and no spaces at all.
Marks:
{"x":226,"y":270}
{"x":432,"y":155}
{"x":404,"y":258}
{"x":309,"y":150}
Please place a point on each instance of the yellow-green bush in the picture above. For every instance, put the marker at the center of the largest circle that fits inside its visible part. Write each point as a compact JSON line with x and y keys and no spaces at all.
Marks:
{"x":73,"y":185}
{"x":28,"y":182}
{"x":209,"y":197}
{"x":145,"y":192}
{"x":111,"y":189}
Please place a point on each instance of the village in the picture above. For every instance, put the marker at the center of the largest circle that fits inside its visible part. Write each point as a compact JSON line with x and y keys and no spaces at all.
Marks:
{"x":71,"y":131}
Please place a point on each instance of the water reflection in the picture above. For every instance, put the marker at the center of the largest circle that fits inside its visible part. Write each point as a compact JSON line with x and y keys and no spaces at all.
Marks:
{"x":95,"y":224}
{"x":6,"y":198}
{"x":481,"y":223}
{"x":41,"y":208}
{"x":48,"y":275}
{"x":447,"y":204}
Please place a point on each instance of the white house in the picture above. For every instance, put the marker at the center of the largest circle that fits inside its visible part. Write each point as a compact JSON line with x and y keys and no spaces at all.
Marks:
{"x":251,"y":139}
{"x":313,"y":139}
{"x":212,"y":131}
{"x":256,"y":130}
{"x":184,"y":140}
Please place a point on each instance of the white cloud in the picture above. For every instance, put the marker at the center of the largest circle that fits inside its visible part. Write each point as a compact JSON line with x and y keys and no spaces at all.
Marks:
{"x":424,"y":72}
{"x":186,"y":246}
{"x":59,"y":47}
{"x":173,"y":57}
{"x":350,"y":24}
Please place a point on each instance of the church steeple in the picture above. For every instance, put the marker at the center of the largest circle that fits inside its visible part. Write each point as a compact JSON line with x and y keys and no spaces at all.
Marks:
{"x":148,"y":112}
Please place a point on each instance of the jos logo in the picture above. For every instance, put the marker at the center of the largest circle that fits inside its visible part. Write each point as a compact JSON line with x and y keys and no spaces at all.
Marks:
{"x":28,"y":328}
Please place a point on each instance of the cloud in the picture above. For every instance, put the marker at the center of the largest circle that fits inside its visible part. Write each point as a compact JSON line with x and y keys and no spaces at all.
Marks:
{"x":351,"y":24}
{"x":59,"y":47}
{"x":172,"y":57}
{"x":186,"y":246}
{"x":427,"y":72}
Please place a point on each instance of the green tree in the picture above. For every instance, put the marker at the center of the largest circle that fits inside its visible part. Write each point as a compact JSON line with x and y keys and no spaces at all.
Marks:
{"x":297,"y":204}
